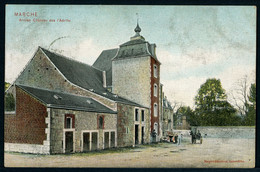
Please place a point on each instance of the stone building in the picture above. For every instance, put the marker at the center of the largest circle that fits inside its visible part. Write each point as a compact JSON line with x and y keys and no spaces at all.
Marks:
{"x":63,"y":105}
{"x":167,"y":121}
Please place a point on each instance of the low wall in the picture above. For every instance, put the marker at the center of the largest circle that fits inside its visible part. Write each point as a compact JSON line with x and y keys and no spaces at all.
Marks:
{"x":27,"y":148}
{"x":227,"y":132}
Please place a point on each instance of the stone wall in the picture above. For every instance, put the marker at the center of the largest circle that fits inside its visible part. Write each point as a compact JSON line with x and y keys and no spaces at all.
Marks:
{"x":126,"y":125}
{"x":84,"y":121}
{"x":131,"y":78}
{"x":28,"y":124}
{"x":41,"y":73}
{"x":27,"y":148}
{"x":227,"y":132}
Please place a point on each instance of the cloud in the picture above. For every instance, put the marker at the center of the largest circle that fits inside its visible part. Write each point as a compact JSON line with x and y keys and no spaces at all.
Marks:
{"x":192,"y":59}
{"x":86,"y":51}
{"x":185,"y":89}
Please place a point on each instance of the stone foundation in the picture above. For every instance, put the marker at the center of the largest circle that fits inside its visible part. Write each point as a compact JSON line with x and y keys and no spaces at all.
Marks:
{"x":27,"y":148}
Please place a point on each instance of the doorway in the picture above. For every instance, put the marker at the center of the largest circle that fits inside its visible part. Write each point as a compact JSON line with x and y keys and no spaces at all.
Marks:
{"x":68,"y":142}
{"x":142,"y":135}
{"x":136,"y":134}
{"x":94,"y":139}
{"x":86,"y":142}
{"x":113,"y":139}
{"x":106,"y":139}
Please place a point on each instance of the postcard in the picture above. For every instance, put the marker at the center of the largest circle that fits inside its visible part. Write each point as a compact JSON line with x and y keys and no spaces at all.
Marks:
{"x":130,"y":86}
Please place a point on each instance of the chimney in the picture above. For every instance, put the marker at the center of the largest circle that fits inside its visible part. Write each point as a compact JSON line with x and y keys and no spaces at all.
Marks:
{"x":104,"y":79}
{"x":153,"y":48}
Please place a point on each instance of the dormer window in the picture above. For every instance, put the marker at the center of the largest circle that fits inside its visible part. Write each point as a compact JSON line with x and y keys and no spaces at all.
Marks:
{"x":155,"y":72}
{"x":89,"y":102}
{"x":57,"y":97}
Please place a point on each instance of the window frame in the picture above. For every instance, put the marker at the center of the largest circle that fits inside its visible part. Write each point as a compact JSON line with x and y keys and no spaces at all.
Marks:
{"x":136,"y":115}
{"x":71,"y":121}
{"x":155,"y":111}
{"x":155,"y":71}
{"x":155,"y":90}
{"x":142,"y":116}
{"x":101,"y":126}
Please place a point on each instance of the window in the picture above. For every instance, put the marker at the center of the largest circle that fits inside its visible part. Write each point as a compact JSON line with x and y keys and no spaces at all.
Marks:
{"x":142,"y":115}
{"x":100,"y":122}
{"x":136,"y":115}
{"x":155,"y":109}
{"x":155,"y":71}
{"x":155,"y":90}
{"x":155,"y":127}
{"x":68,"y":122}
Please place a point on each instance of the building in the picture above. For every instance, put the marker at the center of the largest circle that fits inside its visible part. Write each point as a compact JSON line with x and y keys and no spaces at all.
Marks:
{"x":63,"y":105}
{"x":167,"y":119}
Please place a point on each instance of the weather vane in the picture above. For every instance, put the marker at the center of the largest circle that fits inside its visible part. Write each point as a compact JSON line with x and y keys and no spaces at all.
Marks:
{"x":137,"y":17}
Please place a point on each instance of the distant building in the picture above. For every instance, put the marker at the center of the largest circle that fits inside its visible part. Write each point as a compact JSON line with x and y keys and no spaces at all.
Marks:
{"x":63,"y":105}
{"x":167,"y":121}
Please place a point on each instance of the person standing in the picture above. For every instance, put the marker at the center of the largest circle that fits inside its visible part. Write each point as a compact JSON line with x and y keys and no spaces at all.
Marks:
{"x":179,"y":138}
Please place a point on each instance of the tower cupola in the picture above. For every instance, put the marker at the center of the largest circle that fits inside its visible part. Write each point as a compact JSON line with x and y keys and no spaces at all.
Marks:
{"x":137,"y":33}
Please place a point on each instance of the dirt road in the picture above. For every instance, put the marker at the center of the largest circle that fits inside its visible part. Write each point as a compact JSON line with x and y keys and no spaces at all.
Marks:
{"x":229,"y":153}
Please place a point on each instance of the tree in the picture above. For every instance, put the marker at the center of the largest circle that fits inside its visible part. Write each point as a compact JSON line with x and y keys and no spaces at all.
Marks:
{"x":250,"y":116}
{"x":190,"y":116}
{"x":212,"y":107}
{"x":7,"y":85}
{"x":239,"y":96}
{"x":244,"y":99}
{"x":9,"y":99}
{"x":9,"y":102}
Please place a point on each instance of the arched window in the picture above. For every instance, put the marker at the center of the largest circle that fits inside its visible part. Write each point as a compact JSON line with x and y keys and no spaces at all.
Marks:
{"x":155,"y":90}
{"x":155,"y":108}
{"x":155,"y":72}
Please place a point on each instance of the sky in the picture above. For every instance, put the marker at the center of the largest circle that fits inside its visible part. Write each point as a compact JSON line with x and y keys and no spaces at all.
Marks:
{"x":194,"y":43}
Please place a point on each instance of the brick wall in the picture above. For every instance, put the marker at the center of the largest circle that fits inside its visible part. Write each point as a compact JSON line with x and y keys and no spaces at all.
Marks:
{"x":154,"y":99}
{"x":28,"y":124}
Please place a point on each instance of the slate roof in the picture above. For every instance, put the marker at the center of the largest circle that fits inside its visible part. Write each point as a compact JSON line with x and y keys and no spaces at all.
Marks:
{"x":136,"y":48}
{"x":167,"y":104}
{"x":77,"y":72}
{"x":104,"y":63}
{"x":61,"y":100}
{"x":85,"y":76}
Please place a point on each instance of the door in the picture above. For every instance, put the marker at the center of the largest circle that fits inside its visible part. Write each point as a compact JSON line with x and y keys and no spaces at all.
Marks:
{"x":142,"y":135}
{"x":113,"y":139}
{"x":68,"y":142}
{"x":86,"y":142}
{"x":106,"y":143}
{"x":136,"y":134}
{"x":94,"y":139}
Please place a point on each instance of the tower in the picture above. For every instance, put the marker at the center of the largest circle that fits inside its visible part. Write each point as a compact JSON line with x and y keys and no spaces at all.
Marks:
{"x":136,"y":74}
